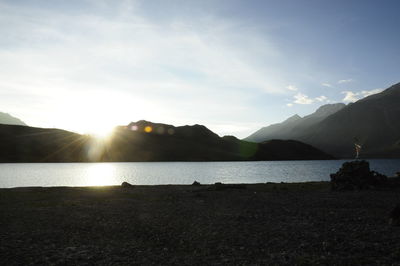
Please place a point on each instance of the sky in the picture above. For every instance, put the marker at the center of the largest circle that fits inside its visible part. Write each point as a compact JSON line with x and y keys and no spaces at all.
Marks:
{"x":233,"y":66}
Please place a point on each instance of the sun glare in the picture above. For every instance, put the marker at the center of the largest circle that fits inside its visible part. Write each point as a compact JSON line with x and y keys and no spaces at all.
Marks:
{"x":103,"y":132}
{"x":100,"y":174}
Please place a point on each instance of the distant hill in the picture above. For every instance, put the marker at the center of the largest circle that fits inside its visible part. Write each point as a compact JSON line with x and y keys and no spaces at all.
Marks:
{"x":30,"y":144}
{"x":143,"y":141}
{"x":10,"y":120}
{"x":374,"y":122}
{"x":293,"y":127}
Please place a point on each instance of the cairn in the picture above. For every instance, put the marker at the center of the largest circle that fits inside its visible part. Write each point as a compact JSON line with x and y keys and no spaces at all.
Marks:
{"x":356,"y":175}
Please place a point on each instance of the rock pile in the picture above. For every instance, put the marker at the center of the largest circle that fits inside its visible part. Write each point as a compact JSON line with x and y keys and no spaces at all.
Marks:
{"x":196,"y":183}
{"x":356,"y":175}
{"x":127,"y":185}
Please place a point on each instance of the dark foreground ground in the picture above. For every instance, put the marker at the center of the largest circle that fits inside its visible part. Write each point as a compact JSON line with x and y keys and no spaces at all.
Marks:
{"x":264,"y":224}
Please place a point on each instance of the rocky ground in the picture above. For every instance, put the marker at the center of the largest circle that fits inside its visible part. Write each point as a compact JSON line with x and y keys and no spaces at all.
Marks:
{"x":262,"y":224}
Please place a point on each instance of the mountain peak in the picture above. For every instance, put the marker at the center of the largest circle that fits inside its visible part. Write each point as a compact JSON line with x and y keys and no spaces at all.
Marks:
{"x":294,"y":124}
{"x":292,"y":118}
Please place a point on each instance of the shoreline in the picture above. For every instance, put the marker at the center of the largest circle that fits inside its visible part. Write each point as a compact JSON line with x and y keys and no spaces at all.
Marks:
{"x":204,"y":186}
{"x":393,"y":180}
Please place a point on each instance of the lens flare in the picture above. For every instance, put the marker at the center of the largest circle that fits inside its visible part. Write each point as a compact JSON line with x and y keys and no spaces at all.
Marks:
{"x":160,"y":130}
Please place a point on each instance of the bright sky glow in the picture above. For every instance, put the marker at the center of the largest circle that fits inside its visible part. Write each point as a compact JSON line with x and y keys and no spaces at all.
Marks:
{"x":233,"y":66}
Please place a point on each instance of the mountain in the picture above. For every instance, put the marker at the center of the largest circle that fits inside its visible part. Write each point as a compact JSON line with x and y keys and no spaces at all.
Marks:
{"x":293,"y":126}
{"x":143,"y":141}
{"x":10,"y":120}
{"x":373,"y":122}
{"x":30,"y":144}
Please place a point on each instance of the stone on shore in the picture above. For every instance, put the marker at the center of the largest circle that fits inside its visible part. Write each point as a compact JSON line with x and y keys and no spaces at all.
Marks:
{"x":356,"y":175}
{"x":126,"y":185}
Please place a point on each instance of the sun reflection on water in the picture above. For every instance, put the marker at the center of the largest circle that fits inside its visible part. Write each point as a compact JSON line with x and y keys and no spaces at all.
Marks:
{"x":100,"y":174}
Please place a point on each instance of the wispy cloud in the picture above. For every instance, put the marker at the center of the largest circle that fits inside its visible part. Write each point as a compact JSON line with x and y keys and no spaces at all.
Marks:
{"x":292,"y":88}
{"x":321,"y":98}
{"x":301,"y":98}
{"x":351,"y":96}
{"x":112,"y":62}
{"x":164,"y":69}
{"x":327,"y":85}
{"x":343,"y":81}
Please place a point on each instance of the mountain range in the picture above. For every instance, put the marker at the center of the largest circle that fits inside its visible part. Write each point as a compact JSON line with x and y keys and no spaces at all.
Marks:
{"x":373,"y":122}
{"x":143,"y":141}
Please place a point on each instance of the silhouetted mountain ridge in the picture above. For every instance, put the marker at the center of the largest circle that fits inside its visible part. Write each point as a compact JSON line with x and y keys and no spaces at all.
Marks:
{"x":289,"y":128}
{"x":142,"y":141}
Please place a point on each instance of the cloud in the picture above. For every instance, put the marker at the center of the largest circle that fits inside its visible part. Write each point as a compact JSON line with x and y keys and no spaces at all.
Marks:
{"x":292,"y":88}
{"x":327,"y":85}
{"x":321,"y":98}
{"x":350,"y":96}
{"x":343,"y":81}
{"x":301,"y":98}
{"x":355,"y":96}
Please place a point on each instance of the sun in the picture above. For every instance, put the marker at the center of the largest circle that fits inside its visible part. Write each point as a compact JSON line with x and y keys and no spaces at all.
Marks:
{"x":100,"y":127}
{"x":102,"y":131}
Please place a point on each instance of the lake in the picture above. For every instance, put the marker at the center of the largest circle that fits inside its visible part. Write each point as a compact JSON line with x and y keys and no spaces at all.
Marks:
{"x":153,"y":173}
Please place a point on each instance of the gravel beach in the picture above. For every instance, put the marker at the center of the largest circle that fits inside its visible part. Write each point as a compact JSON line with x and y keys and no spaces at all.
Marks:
{"x":259,"y":224}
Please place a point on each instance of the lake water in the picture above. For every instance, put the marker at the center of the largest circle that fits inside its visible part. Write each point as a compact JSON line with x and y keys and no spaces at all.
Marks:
{"x":152,"y":173}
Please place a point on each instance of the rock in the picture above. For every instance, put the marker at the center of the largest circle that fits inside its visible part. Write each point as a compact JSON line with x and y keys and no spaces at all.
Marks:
{"x":195,"y":183}
{"x":218,"y":186}
{"x":356,"y":175}
{"x":126,"y":185}
{"x":394,"y":217}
